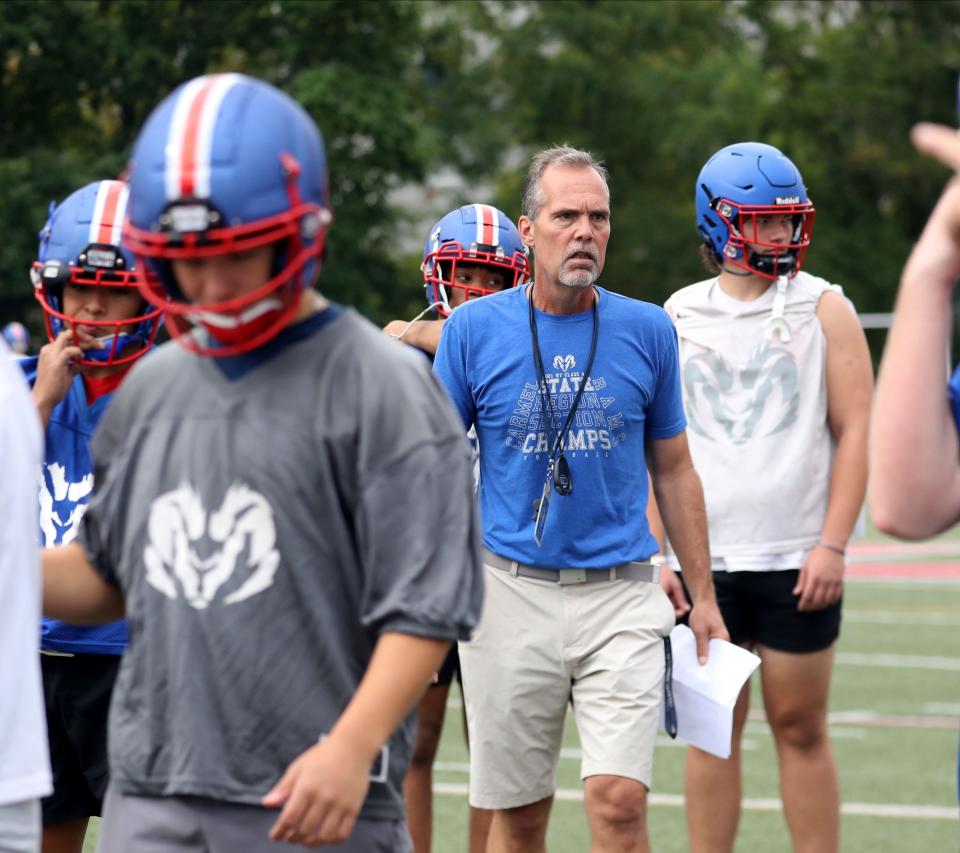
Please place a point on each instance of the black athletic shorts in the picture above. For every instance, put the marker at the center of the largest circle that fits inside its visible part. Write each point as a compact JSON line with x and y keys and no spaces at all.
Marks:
{"x":77,"y":696}
{"x":449,"y":668}
{"x":760,"y":608}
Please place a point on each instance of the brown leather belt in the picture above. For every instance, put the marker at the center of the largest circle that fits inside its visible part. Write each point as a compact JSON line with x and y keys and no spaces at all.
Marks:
{"x":645,"y":572}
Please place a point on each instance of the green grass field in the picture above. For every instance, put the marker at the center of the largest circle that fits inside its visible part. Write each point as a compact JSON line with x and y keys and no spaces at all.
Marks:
{"x":894,"y":709}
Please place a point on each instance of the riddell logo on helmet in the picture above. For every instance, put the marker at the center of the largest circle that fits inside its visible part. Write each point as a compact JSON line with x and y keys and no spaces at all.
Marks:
{"x":790,"y":199}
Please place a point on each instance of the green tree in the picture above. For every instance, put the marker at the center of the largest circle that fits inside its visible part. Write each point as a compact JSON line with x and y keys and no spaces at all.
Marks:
{"x":403,"y":88}
{"x":655,"y":88}
{"x":79,"y":78}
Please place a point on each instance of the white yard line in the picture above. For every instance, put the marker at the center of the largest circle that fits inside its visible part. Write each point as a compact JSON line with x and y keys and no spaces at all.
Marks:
{"x":905,"y":584}
{"x":874,"y":719}
{"x":904,"y":551}
{"x":899,"y":661}
{"x":901,"y":617}
{"x":951,"y":708}
{"x":892,"y":810}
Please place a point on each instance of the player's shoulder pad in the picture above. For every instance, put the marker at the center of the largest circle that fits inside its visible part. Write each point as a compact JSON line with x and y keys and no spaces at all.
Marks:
{"x":680,"y":297}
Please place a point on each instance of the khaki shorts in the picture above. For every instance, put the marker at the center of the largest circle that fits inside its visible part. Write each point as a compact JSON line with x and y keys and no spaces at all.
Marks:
{"x":540,"y":646}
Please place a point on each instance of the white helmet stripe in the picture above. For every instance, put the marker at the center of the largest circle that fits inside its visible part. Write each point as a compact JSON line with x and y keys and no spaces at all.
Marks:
{"x":487,"y":232}
{"x":93,"y":235}
{"x":108,"y":212}
{"x":173,"y":152}
{"x":208,"y":120}
{"x":190,"y":137}
{"x":121,"y":213}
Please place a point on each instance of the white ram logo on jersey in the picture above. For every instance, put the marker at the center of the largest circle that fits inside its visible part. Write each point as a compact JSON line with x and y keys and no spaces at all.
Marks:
{"x":179,"y":522}
{"x":740,"y":403}
{"x":62,"y":504}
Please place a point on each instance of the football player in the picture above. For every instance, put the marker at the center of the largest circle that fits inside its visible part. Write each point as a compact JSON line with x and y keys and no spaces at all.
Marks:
{"x":24,"y":762}
{"x":98,"y":324}
{"x":470,"y":252}
{"x":777,"y":387}
{"x":252,"y":516}
{"x":473,"y":251}
{"x":17,"y":338}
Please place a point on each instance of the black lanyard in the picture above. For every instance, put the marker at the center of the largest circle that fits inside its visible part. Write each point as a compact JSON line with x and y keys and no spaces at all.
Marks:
{"x":562,"y":478}
{"x":669,"y":703}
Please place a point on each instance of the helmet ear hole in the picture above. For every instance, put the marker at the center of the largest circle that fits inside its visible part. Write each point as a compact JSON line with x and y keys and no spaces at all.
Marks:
{"x":55,"y":274}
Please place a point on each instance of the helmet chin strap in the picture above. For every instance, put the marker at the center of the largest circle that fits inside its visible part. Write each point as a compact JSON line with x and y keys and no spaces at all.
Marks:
{"x":776,"y":323}
{"x":113,"y":346}
{"x":779,"y":263}
{"x":235,"y":321}
{"x":443,"y":302}
{"x":419,"y":316}
{"x":737,"y":271}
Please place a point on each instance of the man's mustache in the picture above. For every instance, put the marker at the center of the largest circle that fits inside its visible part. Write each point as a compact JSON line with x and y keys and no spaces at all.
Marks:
{"x":583,"y":250}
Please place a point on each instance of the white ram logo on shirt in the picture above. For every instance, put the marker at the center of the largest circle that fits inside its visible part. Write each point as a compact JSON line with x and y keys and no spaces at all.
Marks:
{"x":178,"y":522}
{"x":756,"y":399}
{"x":62,"y":504}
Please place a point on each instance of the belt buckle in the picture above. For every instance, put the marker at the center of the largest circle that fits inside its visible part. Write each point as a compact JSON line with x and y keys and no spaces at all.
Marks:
{"x":568,"y":577}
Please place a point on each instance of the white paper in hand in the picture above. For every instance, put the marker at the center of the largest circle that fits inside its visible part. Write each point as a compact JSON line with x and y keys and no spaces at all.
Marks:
{"x":705,"y":695}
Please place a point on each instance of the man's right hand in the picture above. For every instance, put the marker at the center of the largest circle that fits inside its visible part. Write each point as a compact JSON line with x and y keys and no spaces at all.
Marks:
{"x":57,"y":367}
{"x":674,"y":590}
{"x":707,"y":624}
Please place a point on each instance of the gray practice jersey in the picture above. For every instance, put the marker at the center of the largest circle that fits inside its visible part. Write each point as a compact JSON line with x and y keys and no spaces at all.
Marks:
{"x":264,"y":530}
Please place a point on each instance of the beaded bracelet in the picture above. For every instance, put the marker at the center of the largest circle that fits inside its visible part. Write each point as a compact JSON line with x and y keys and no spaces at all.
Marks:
{"x":835,"y":548}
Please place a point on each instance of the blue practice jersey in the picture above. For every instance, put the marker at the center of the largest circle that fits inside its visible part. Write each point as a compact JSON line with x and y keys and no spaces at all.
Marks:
{"x":632,"y":394}
{"x":954,"y":391}
{"x":65,"y":484}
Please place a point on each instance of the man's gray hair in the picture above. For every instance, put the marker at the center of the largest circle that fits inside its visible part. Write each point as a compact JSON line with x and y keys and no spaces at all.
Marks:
{"x":558,"y":155}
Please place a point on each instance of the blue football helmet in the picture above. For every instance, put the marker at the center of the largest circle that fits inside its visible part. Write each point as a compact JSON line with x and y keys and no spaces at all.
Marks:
{"x":17,"y":338}
{"x":228,"y":164}
{"x":475,"y":235}
{"x":80,"y":246}
{"x":741,"y":182}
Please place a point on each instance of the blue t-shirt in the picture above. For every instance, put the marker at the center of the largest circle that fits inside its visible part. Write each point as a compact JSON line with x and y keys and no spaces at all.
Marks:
{"x":953,"y":390}
{"x":65,"y":484}
{"x":485,"y":360}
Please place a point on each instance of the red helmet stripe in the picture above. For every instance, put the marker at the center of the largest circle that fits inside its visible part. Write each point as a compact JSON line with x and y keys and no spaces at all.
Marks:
{"x":108,"y":213}
{"x":188,"y":165}
{"x":487,"y":232}
{"x":190,"y":138}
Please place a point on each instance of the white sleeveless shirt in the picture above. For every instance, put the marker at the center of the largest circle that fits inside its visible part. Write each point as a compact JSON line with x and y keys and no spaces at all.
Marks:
{"x":755,"y":394}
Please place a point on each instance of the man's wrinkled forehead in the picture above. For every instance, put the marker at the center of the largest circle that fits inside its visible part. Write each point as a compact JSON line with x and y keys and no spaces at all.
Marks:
{"x":574,"y":186}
